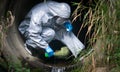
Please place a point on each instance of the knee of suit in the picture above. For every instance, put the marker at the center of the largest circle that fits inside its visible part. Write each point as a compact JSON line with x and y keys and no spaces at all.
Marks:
{"x":48,"y":34}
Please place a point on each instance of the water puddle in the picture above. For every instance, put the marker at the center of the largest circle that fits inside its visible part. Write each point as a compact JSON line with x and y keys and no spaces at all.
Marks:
{"x":58,"y":69}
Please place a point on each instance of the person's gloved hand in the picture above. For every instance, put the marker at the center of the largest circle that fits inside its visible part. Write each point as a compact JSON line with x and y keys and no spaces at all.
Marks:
{"x":49,"y":52}
{"x":68,"y":26}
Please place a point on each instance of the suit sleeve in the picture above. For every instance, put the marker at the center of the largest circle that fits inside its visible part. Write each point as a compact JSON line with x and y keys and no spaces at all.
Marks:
{"x":33,"y":32}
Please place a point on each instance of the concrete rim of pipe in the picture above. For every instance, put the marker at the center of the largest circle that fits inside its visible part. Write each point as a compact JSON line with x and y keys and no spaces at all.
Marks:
{"x":14,"y":46}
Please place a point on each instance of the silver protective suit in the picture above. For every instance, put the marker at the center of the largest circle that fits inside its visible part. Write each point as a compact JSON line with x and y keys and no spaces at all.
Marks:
{"x":40,"y":26}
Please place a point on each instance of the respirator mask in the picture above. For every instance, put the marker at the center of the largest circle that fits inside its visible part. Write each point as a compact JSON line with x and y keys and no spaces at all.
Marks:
{"x":64,"y":22}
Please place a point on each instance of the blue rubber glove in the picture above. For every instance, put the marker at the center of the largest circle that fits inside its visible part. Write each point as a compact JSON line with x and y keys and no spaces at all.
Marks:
{"x":68,"y":26}
{"x":49,"y":52}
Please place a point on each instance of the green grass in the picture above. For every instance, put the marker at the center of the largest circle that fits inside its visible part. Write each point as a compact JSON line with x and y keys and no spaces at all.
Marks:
{"x":103,"y":19}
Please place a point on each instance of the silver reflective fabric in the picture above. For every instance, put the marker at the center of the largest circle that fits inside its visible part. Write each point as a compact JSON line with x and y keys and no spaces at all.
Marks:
{"x":71,"y":41}
{"x":39,"y":27}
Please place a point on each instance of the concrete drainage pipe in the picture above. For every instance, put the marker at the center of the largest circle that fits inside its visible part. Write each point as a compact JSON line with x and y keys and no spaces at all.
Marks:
{"x":14,"y":48}
{"x":13,"y":44}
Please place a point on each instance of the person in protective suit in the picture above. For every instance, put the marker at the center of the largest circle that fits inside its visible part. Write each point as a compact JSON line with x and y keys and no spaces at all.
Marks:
{"x":48,"y":21}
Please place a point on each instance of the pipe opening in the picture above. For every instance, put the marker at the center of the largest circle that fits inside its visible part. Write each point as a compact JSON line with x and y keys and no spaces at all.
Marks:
{"x":20,"y":9}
